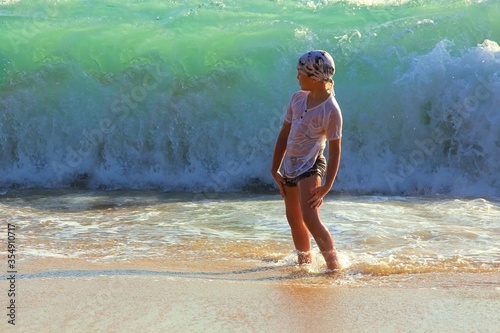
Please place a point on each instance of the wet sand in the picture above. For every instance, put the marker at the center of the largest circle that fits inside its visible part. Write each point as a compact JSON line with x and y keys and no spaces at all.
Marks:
{"x":251,"y":300}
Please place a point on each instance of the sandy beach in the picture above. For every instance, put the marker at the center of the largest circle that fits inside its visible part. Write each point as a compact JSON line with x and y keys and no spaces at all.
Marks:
{"x":217,"y":299}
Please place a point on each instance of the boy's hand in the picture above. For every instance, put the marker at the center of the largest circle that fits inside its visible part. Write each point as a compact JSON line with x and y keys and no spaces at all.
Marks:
{"x":317,"y":195}
{"x":281,"y":183}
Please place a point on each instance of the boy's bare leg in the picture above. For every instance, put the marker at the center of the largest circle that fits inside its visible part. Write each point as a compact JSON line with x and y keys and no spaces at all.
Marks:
{"x":300,"y":233}
{"x":313,"y":222}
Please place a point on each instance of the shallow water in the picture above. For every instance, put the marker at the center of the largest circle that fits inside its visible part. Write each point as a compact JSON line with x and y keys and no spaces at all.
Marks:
{"x":234,"y":234}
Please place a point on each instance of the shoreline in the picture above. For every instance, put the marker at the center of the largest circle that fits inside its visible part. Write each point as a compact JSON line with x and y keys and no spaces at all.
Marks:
{"x":160,"y":302}
{"x":147,"y":262}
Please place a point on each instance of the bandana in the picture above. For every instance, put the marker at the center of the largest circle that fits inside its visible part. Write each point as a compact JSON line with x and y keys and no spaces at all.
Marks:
{"x":318,"y":65}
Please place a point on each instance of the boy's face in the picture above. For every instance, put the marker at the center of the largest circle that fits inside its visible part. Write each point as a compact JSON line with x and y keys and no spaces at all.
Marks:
{"x":305,"y":82}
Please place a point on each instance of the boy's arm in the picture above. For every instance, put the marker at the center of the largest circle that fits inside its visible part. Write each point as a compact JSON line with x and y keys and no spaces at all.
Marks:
{"x":332,"y":167}
{"x":279,"y":153}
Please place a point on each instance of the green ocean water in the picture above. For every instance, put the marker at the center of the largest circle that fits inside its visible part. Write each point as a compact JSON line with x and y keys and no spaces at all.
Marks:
{"x":189,"y":95}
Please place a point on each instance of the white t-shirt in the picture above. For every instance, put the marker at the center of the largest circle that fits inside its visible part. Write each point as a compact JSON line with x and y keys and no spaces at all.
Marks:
{"x":309,"y":131}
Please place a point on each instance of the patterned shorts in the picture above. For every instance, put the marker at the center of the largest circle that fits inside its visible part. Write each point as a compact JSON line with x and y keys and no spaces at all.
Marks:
{"x":318,"y":168}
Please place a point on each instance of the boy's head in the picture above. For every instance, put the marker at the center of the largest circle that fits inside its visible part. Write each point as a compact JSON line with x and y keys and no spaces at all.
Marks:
{"x":318,"y":65}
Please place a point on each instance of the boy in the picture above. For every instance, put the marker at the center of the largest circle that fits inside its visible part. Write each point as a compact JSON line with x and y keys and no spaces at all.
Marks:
{"x":313,"y":117}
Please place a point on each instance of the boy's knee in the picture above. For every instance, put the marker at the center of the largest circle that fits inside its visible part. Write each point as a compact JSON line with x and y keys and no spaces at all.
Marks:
{"x":311,"y":220}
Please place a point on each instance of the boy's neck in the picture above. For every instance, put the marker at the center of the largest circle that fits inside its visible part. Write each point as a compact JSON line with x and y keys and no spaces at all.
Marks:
{"x":316,"y":97}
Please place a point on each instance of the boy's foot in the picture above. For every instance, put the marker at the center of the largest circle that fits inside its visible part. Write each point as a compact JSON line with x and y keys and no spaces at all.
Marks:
{"x":332,"y":260}
{"x":304,"y":257}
